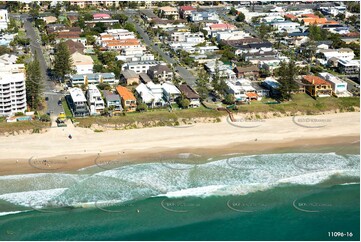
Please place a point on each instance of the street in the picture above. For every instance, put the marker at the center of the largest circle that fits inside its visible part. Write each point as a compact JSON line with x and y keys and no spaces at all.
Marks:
{"x":183,"y":72}
{"x":52,"y":103}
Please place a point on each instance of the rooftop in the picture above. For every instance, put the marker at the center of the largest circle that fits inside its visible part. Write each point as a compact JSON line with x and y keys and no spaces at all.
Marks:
{"x":315,"y":80}
{"x":188,"y":92}
{"x":77,"y":95}
{"x":125,"y":93}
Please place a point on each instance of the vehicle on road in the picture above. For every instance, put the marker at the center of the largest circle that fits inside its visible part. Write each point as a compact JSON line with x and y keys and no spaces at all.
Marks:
{"x":59,"y":103}
{"x":46,"y":98}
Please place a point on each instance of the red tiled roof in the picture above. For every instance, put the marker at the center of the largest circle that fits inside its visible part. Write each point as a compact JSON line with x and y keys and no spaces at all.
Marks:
{"x":187,"y":8}
{"x":125,"y":93}
{"x":315,"y":80}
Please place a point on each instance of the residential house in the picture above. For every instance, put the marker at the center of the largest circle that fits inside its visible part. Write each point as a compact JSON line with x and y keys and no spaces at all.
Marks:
{"x":339,"y":86}
{"x":12,"y":89}
{"x":82,"y":64}
{"x":75,"y":46}
{"x":144,"y":78}
{"x":4,"y":19}
{"x":90,"y":78}
{"x":8,"y":59}
{"x":272,"y":85}
{"x":317,"y":86}
{"x":98,"y":16}
{"x":247,"y":71}
{"x":349,"y":66}
{"x":50,"y":19}
{"x":341,"y":54}
{"x":129,"y":102}
{"x":169,"y":13}
{"x":204,"y":16}
{"x":95,"y":100}
{"x":286,"y":26}
{"x":160,"y":73}
{"x":112,"y":101}
{"x":191,"y":95}
{"x":170,"y":92}
{"x":231,"y":35}
{"x":77,"y":102}
{"x":140,"y":66}
{"x":129,"y":77}
{"x":62,"y":32}
{"x":151,"y":94}
{"x":185,"y":11}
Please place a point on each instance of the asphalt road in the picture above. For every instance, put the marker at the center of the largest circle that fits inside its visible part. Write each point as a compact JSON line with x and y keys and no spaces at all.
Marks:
{"x":52,"y":103}
{"x":183,"y":72}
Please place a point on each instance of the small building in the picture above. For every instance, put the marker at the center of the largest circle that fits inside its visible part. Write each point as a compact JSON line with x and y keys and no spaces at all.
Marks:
{"x":169,"y":13}
{"x":272,"y":85}
{"x":95,"y":101}
{"x":170,"y":92}
{"x":75,"y":46}
{"x":349,"y":66}
{"x":160,"y":73}
{"x":82,"y":64}
{"x":129,"y":77}
{"x":77,"y":102}
{"x":151,"y":94}
{"x":144,"y":78}
{"x":191,"y":95}
{"x":317,"y":86}
{"x":129,"y":102}
{"x":96,"y":78}
{"x":339,"y":86}
{"x":247,"y":71}
{"x":186,"y":11}
{"x":112,"y":100}
{"x":97,"y":16}
{"x":140,"y":66}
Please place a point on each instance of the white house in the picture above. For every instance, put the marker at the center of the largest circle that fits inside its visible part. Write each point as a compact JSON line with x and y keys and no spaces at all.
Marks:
{"x":231,"y":35}
{"x":4,"y":19}
{"x":151,"y":94}
{"x":82,"y":64}
{"x":203,"y":16}
{"x":95,"y":100}
{"x":170,"y":92}
{"x":341,"y":54}
{"x":12,"y":91}
{"x":339,"y":87}
{"x":286,"y":26}
{"x":140,"y":66}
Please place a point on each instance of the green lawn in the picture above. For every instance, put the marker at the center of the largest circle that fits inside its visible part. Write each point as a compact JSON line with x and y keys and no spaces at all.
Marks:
{"x":67,"y":111}
{"x":303,"y":103}
{"x":159,"y":117}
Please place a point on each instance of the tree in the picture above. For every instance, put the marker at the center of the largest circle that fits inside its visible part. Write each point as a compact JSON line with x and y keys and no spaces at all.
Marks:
{"x":130,"y":27}
{"x":90,"y":40}
{"x":142,"y":107}
{"x":122,"y":18}
{"x":45,"y":118}
{"x":229,"y":99}
{"x":287,"y":74}
{"x":4,"y":50}
{"x":240,"y":17}
{"x":202,"y":82}
{"x":340,"y":16}
{"x":63,"y":62}
{"x":264,"y":30}
{"x":232,"y":11}
{"x":183,"y":102}
{"x":34,"y":84}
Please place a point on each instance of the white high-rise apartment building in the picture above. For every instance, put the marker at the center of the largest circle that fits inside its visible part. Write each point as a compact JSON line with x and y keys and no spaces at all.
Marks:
{"x":12,"y":89}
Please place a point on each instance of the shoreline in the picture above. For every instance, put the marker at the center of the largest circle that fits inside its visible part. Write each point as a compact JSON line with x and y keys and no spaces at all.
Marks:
{"x":26,"y":153}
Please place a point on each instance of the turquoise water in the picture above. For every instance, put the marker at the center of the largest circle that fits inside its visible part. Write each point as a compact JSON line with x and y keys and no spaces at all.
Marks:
{"x":288,"y":196}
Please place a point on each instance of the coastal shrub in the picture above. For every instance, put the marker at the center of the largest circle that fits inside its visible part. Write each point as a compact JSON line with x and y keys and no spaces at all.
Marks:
{"x":176,"y":123}
{"x":218,"y":120}
{"x":98,"y":130}
{"x":351,"y":109}
{"x":258,"y":116}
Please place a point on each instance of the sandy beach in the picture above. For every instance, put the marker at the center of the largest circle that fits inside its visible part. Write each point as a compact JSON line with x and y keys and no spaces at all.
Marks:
{"x":54,"y":150}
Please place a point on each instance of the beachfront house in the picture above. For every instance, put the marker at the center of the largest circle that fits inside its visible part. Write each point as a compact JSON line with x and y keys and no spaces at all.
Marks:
{"x":191,"y":95}
{"x":170,"y":92}
{"x":82,"y":64}
{"x":129,"y":102}
{"x":151,"y":94}
{"x":77,"y":102}
{"x":339,"y":86}
{"x":317,"y":86}
{"x":95,"y":100}
{"x":272,"y":85}
{"x":113,"y":101}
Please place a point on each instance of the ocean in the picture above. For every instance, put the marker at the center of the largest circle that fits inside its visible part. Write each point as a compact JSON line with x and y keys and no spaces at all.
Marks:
{"x":288,"y":195}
